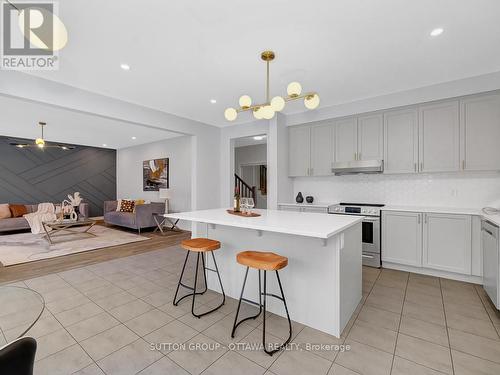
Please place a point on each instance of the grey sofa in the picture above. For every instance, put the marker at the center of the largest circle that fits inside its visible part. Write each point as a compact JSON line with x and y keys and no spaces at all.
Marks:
{"x":141,"y":218}
{"x":19,"y":223}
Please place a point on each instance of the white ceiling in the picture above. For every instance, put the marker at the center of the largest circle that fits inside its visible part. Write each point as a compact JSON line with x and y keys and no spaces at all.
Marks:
{"x":184,"y":53}
{"x":20,"y":118}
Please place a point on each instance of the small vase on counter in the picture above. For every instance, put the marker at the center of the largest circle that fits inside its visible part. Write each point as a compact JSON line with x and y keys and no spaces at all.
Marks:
{"x":309,"y":199}
{"x":299,"y":198}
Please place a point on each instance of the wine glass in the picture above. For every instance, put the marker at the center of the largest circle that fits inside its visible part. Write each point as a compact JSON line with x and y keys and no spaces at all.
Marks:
{"x":243,"y":204}
{"x":250,"y":205}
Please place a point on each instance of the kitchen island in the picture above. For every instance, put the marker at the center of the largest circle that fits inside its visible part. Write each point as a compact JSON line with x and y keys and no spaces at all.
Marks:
{"x":323,"y":280}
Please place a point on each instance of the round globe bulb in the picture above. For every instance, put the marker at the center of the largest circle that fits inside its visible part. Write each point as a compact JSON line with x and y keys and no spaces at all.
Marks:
{"x":257,"y":113}
{"x":311,"y":101}
{"x":268,"y":112}
{"x":40,"y":142}
{"x":245,"y":101}
{"x":277,"y":103}
{"x":230,"y":114}
{"x":294,"y":89}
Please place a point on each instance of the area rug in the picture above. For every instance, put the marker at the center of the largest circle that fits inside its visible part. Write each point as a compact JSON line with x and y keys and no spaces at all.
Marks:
{"x":27,"y":247}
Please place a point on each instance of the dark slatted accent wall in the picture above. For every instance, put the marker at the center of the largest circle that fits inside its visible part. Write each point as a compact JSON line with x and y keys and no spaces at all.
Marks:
{"x":31,"y":175}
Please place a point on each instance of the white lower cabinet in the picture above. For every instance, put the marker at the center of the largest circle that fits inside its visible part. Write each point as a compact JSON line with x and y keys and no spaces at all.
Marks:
{"x":428,"y":240}
{"x":402,"y":238}
{"x":447,"y":242}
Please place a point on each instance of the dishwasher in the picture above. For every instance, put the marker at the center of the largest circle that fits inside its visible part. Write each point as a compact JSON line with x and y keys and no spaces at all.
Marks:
{"x":491,"y":261}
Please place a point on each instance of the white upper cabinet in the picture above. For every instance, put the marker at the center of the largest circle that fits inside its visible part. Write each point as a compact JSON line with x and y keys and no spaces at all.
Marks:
{"x":299,"y":152}
{"x":371,"y":137}
{"x":439,"y":137}
{"x":480,"y":133}
{"x":402,"y":238}
{"x":321,"y":150}
{"x":346,"y":140}
{"x":401,"y":141}
{"x":447,"y":242}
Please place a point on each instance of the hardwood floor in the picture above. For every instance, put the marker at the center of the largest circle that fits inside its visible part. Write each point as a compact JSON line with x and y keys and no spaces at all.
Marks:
{"x":46,"y":266}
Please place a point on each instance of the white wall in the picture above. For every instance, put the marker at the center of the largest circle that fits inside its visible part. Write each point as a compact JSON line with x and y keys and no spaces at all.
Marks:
{"x":468,"y":190}
{"x":129,"y":172}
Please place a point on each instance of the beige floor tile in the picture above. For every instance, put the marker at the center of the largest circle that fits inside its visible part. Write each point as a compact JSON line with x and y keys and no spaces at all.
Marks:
{"x":92,"y":369}
{"x":145,"y":289}
{"x":107,"y":342}
{"x":425,"y":313}
{"x":402,"y":366}
{"x":229,"y":306}
{"x":312,"y":340}
{"x":424,"y":330}
{"x":380,"y":338}
{"x":461,"y":297}
{"x":52,"y":343}
{"x":130,"y":310}
{"x":385,"y":302}
{"x":102,"y":292}
{"x":195,"y":358}
{"x":96,"y":282}
{"x":130,"y":359}
{"x":475,"y":326}
{"x":163,"y":367}
{"x":336,"y":369}
{"x":175,"y":311}
{"x":424,"y":299}
{"x":67,"y":304}
{"x":476,"y":345}
{"x":296,"y":362}
{"x":431,"y":290}
{"x":221,"y":331}
{"x":148,"y":322}
{"x":279,"y":327}
{"x":42,"y":327}
{"x":92,"y":326}
{"x":115,"y":300}
{"x":424,"y":353}
{"x":384,"y":290}
{"x":379,"y":318}
{"x":365,"y":359}
{"x":392,"y":282}
{"x":418,"y":279}
{"x":67,"y":361}
{"x":200,"y":324}
{"x":69,"y":317}
{"x":174,"y":332}
{"x":251,"y":347}
{"x":471,"y":311}
{"x":229,"y":362}
{"x":465,"y":364}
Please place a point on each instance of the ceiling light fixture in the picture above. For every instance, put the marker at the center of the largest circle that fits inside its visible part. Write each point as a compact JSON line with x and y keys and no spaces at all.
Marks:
{"x":125,"y":66}
{"x":40,"y":142}
{"x":134,"y":138}
{"x":437,"y":31}
{"x":37,"y":16}
{"x":213,"y":101}
{"x":259,"y":137}
{"x":104,"y":145}
{"x":267,"y":109}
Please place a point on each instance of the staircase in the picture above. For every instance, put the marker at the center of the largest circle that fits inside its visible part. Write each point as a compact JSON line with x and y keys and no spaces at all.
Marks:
{"x":246,"y":191}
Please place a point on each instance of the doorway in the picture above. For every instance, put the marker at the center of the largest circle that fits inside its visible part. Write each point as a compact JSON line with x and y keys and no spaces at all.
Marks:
{"x":250,"y":168}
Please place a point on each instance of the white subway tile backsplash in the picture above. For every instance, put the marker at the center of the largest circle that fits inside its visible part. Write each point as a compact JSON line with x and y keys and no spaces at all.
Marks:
{"x":474,"y":190}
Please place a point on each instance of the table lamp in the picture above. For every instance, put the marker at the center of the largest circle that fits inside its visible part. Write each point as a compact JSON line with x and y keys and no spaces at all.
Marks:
{"x":166,"y":194}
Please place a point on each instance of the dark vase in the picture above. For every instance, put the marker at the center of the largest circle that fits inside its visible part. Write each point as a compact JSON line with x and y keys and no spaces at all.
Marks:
{"x":299,"y":198}
{"x":77,"y":211}
{"x":309,"y":199}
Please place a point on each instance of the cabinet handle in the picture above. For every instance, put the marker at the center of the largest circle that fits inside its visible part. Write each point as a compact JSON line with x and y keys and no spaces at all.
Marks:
{"x":418,"y":218}
{"x":425,"y":218}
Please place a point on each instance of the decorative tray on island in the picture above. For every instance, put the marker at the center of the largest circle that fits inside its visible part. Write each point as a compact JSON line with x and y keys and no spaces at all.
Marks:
{"x":250,"y":214}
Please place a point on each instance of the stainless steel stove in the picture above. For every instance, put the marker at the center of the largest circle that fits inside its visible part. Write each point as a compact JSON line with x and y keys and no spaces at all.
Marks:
{"x":371,"y":228}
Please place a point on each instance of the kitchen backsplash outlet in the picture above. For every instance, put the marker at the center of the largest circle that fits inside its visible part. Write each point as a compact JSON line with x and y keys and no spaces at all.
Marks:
{"x":468,"y":190}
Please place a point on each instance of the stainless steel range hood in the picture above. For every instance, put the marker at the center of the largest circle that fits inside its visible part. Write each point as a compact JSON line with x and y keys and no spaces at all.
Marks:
{"x":358,"y":166}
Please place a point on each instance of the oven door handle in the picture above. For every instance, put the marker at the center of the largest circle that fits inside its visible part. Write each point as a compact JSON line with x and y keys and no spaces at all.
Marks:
{"x":371,"y":219}
{"x":368,"y":256}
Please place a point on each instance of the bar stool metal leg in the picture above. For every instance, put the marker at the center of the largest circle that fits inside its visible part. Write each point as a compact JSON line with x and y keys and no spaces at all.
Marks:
{"x":193,"y":289}
{"x":236,"y":323}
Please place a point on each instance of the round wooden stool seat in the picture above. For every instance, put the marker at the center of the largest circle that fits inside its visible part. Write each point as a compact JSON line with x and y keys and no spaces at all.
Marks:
{"x":262,"y":260}
{"x":200,"y":244}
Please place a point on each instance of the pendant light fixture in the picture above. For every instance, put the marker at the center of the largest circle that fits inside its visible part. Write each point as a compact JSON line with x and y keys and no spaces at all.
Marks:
{"x":40,"y":142}
{"x":267,"y":109}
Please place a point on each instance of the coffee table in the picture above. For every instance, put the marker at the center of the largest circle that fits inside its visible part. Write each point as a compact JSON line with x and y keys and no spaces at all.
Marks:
{"x":53,"y":227}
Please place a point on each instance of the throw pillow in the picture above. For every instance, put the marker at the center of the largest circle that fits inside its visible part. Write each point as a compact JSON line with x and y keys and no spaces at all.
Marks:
{"x":5,"y":211}
{"x":127,"y":206}
{"x":138,"y":202}
{"x":18,"y":210}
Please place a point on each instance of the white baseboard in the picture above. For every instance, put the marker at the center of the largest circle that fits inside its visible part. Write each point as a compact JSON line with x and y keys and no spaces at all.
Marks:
{"x":436,"y":273}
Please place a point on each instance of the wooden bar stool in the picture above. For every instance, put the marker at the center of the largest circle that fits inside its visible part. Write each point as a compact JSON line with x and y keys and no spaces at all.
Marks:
{"x":199,"y":246}
{"x":262,"y":261}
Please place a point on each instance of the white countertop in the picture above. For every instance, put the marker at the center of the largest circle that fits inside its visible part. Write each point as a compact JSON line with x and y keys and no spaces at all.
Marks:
{"x":296,"y":223}
{"x":439,"y":210}
{"x":495,"y":219}
{"x":314,"y":204}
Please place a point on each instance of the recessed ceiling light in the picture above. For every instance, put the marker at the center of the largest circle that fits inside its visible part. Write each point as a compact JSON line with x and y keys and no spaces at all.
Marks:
{"x":437,"y":31}
{"x":134,"y":137}
{"x":259,"y":137}
{"x":125,"y":66}
{"x":104,"y":145}
{"x":213,"y":101}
